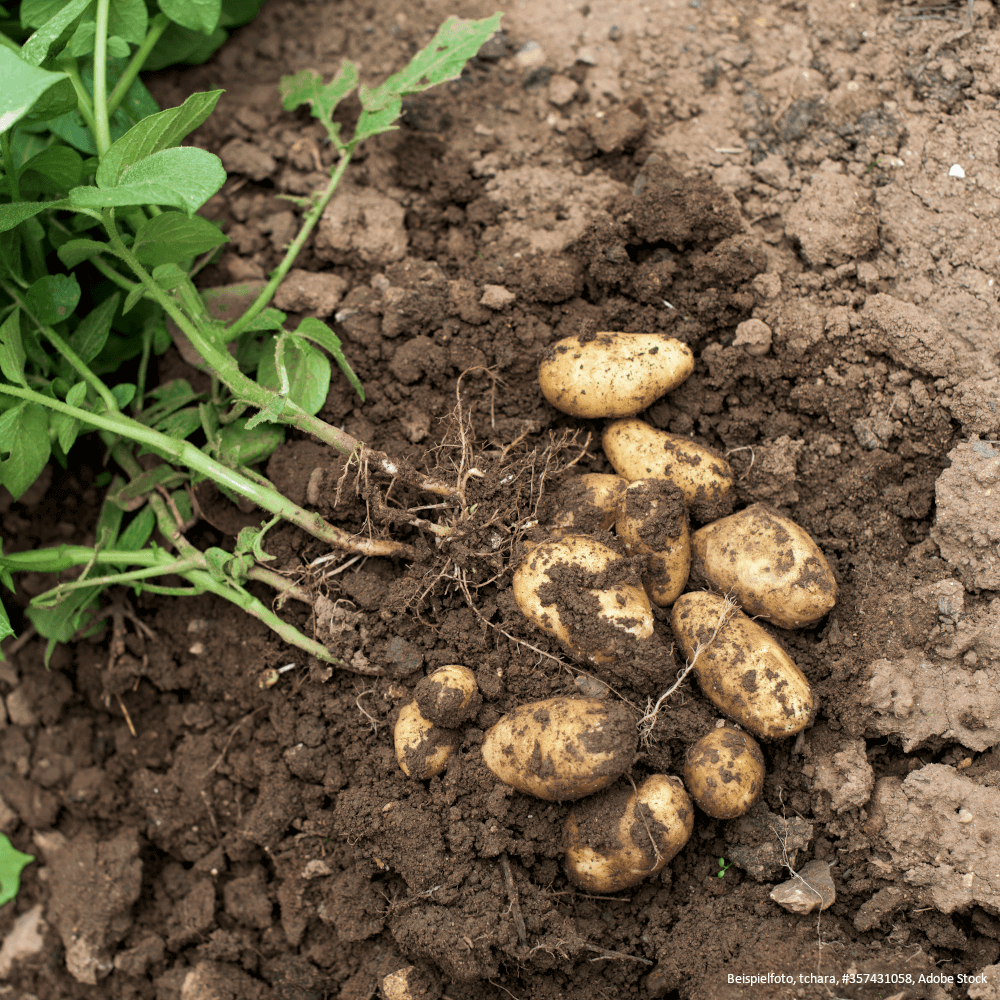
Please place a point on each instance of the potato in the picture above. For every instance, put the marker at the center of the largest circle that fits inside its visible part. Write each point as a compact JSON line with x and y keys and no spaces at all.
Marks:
{"x":652,"y":521}
{"x":422,"y":748}
{"x":622,"y":836}
{"x":562,"y":748}
{"x":639,"y":451}
{"x":770,"y":565}
{"x":742,"y":670}
{"x":724,"y":772}
{"x":612,"y":374}
{"x":449,"y":696}
{"x":586,"y":595}
{"x":584,"y":504}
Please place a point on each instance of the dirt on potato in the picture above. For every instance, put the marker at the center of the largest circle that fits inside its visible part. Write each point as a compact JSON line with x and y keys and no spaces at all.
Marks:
{"x":806,"y":195}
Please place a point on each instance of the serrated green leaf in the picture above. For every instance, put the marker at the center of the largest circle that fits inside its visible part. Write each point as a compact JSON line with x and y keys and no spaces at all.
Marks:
{"x":15,"y":213}
{"x":51,"y":18}
{"x":154,"y":133}
{"x":23,"y":86}
{"x":306,"y":372}
{"x":25,"y":429}
{"x":184,"y":177}
{"x":172,"y":237}
{"x":240,"y":445}
{"x":319,"y":333}
{"x":12,"y":861}
{"x":53,"y":298}
{"x":307,"y":88}
{"x":376,"y":122}
{"x":270,"y":414}
{"x":59,"y":164}
{"x":197,"y":15}
{"x":77,"y":251}
{"x":12,"y":354}
{"x":91,"y":335}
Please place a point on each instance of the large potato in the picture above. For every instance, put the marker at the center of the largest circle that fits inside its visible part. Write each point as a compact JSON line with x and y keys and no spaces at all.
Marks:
{"x":584,"y":504}
{"x":612,"y":374}
{"x":769,"y":564}
{"x":622,"y":836}
{"x":586,"y":595}
{"x":449,"y":696}
{"x":724,"y":772}
{"x":422,"y":749}
{"x":562,"y":748}
{"x":639,"y":451}
{"x":741,"y":668}
{"x":652,"y":522}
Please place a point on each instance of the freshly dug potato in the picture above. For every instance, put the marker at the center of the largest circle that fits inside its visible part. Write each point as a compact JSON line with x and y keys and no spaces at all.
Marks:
{"x":771,"y":566}
{"x":612,"y":374}
{"x":449,"y":696}
{"x":586,"y":595}
{"x":562,"y":748}
{"x":724,"y":772}
{"x":639,"y":451}
{"x":652,"y":522}
{"x":742,"y":670}
{"x":620,"y":837}
{"x":584,"y":504}
{"x":422,"y":748}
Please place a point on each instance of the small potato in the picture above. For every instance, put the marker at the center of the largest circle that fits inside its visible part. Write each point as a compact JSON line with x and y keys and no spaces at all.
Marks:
{"x":652,"y":522}
{"x":586,"y":595}
{"x":619,"y":838}
{"x":584,"y":504}
{"x":612,"y":374}
{"x":562,"y":748}
{"x":422,"y":748}
{"x":770,"y":565}
{"x":724,"y":772}
{"x":741,"y":668}
{"x":639,"y":451}
{"x":449,"y":696}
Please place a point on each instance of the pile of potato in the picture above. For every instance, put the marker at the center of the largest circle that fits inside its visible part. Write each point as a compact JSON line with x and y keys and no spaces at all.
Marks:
{"x":595,"y":596}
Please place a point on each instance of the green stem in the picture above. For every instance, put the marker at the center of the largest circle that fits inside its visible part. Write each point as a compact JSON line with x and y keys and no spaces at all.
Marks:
{"x":187,"y":454}
{"x":55,"y":560}
{"x":83,"y":103}
{"x":102,"y":130}
{"x":156,"y":28}
{"x":9,"y":43}
{"x":148,"y":330}
{"x":7,"y":158}
{"x":308,"y":223}
{"x":172,"y":565}
{"x":277,"y":582}
{"x":109,"y":272}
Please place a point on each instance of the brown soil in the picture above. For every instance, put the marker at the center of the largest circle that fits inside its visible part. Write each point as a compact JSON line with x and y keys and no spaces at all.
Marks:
{"x":776,"y":186}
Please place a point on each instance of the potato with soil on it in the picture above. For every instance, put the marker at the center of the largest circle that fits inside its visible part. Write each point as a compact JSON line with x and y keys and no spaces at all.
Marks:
{"x":612,"y":374}
{"x":617,"y":839}
{"x":741,"y":668}
{"x":583,"y":504}
{"x":724,"y":772}
{"x":422,"y":748}
{"x":562,"y":748}
{"x":639,"y":451}
{"x":449,"y":696}
{"x":586,"y":595}
{"x":652,"y":522}
{"x":768,"y":563}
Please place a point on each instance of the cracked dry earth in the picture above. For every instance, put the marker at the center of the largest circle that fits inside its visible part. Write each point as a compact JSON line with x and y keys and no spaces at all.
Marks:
{"x":805,"y":193}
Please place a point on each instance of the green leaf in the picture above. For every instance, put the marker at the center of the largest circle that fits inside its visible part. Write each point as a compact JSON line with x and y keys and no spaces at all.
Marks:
{"x":82,"y":42}
{"x":118,"y":47}
{"x":156,"y":132}
{"x":12,"y":355}
{"x":66,"y":429}
{"x":53,"y":298}
{"x":5,"y":630}
{"x":296,"y":364}
{"x":270,"y":414}
{"x":376,"y":122}
{"x":168,"y":276}
{"x":12,"y":861}
{"x":198,"y":15}
{"x":128,"y":20}
{"x":239,"y":445}
{"x":319,"y":333}
{"x":91,"y":335}
{"x":181,"y":45}
{"x":180,"y":424}
{"x":77,"y":394}
{"x":52,"y":18}
{"x":307,"y":88}
{"x":185,"y":177}
{"x":268,"y":319}
{"x":124,"y":393}
{"x":135,"y":536}
{"x":23,"y":85}
{"x":10,"y":253}
{"x":237,"y":12}
{"x":132,"y":299}
{"x":14,"y":214}
{"x":172,"y":237}
{"x":25,"y":429}
{"x":59,"y":164}
{"x":75,"y":252}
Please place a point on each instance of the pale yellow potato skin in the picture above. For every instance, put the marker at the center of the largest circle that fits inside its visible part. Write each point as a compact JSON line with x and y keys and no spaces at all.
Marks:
{"x":724,"y":772}
{"x":666,"y":543}
{"x":449,"y":696}
{"x":622,"y":616}
{"x":744,"y":672}
{"x":768,"y":563}
{"x":562,"y":748}
{"x":588,"y":503}
{"x":422,"y":749}
{"x":604,"y":858}
{"x":637,"y":450}
{"x":613,"y":374}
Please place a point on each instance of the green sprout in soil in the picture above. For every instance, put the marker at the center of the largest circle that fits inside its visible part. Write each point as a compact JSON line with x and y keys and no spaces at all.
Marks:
{"x":12,"y":863}
{"x":94,"y":179}
{"x":723,"y":867}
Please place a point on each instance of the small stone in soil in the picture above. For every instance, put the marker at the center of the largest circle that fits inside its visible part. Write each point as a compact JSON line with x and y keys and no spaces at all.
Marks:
{"x":812,"y":889}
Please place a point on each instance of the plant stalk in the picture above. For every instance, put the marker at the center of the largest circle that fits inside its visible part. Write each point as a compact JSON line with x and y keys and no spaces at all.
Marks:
{"x":157,"y":26}
{"x":102,"y":128}
{"x":83,"y":102}
{"x":7,"y":158}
